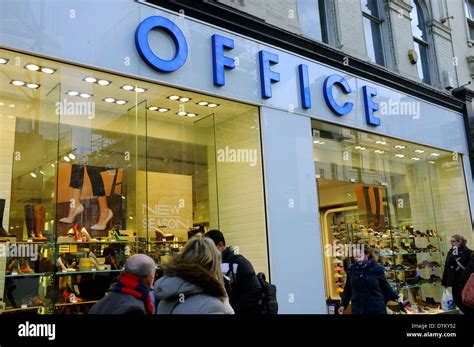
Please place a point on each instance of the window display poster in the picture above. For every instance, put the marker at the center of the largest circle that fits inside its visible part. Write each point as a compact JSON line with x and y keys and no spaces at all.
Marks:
{"x":169,"y":205}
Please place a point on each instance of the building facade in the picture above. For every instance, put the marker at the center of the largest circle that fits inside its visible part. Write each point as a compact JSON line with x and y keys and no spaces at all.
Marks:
{"x":166,"y":119}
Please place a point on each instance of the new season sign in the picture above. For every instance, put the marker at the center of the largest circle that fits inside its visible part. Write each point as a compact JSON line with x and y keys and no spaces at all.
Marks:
{"x":267,"y":64}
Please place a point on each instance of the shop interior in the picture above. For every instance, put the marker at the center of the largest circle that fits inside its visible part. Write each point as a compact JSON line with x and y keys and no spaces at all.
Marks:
{"x":402,"y":199}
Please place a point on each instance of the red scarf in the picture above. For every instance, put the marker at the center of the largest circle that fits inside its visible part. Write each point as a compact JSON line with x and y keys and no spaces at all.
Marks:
{"x":130,"y":284}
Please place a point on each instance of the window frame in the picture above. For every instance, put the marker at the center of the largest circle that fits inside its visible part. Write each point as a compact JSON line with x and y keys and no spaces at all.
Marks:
{"x":384,"y":30}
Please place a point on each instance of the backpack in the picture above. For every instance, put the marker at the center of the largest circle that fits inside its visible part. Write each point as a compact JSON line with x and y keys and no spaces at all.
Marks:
{"x":268,"y":301}
{"x":468,"y":292}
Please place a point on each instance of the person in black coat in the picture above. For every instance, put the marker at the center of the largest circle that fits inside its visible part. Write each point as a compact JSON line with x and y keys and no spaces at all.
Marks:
{"x":456,"y":261}
{"x":131,"y":294}
{"x":366,"y":285}
{"x":245,"y":290}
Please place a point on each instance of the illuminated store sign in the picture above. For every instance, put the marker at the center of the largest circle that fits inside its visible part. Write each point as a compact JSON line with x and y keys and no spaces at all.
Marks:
{"x":267,"y":61}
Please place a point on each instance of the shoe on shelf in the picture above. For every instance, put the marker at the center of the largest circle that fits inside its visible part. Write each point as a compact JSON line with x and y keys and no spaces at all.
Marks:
{"x":103,"y":225}
{"x":25,"y":267}
{"x":94,"y":263}
{"x":114,"y":235}
{"x":76,"y":211}
{"x":87,"y":237}
{"x":162,"y":236}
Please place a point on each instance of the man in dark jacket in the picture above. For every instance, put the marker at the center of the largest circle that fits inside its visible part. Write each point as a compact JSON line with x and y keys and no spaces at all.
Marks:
{"x":468,"y":271}
{"x":131,"y":294}
{"x":245,"y":293}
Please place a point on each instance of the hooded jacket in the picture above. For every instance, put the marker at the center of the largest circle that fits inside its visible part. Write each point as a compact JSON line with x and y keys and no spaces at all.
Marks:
{"x":190,"y":289}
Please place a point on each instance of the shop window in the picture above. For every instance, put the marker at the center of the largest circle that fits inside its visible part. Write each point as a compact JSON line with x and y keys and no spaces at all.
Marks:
{"x":420,"y":41}
{"x":403,"y":199}
{"x":97,"y":167}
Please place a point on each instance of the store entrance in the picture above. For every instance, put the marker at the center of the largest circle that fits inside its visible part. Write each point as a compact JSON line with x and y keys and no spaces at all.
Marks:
{"x":351,"y":214}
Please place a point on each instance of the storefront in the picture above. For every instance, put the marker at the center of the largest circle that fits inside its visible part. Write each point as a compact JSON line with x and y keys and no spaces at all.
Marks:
{"x":169,"y":132}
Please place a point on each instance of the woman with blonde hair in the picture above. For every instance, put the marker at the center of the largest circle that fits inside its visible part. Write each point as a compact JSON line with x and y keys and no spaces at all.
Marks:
{"x":456,"y":261}
{"x":193,"y":281}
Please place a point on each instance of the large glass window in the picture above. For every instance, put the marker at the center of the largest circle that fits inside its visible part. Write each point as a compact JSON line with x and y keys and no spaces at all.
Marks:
{"x":310,"y":18}
{"x":373,"y":17}
{"x":420,"y":41}
{"x":403,"y":199}
{"x":97,"y":167}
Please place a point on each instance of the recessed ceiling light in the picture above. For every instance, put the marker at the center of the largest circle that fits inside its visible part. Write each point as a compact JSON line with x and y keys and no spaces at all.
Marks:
{"x":121,"y":102}
{"x":103,"y":82}
{"x":415,"y":158}
{"x":315,"y":141}
{"x":153,"y":108}
{"x":400,"y":155}
{"x":73,"y":93}
{"x":127,"y":87}
{"x":11,"y":105}
{"x":12,"y":117}
{"x":173,"y":97}
{"x":381,"y":142}
{"x":162,"y":110}
{"x":33,"y":174}
{"x":3,"y":60}
{"x":140,"y":90}
{"x":1,"y":103}
{"x":379,"y":151}
{"x":400,"y":146}
{"x":419,"y":151}
{"x":18,"y":83}
{"x":85,"y":95}
{"x":72,"y":156}
{"x":52,"y":165}
{"x":212,"y":105}
{"x":181,"y":113}
{"x":90,"y":79}
{"x":434,"y":154}
{"x":431,"y":162}
{"x":109,"y":100}
{"x":66,"y":158}
{"x":322,"y":142}
{"x":32,"y":67}
{"x":202,"y":103}
{"x":48,"y":70}
{"x":192,"y":115}
{"x":184,"y":99}
{"x":33,"y":85}
{"x":42,"y":172}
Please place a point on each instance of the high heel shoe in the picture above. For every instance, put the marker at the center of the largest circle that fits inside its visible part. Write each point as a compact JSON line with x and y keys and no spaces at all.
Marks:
{"x":77,"y":234}
{"x":114,"y":234}
{"x":87,"y":237}
{"x":102,"y":226}
{"x":25,"y":267}
{"x":77,"y":211}
{"x":94,"y":262}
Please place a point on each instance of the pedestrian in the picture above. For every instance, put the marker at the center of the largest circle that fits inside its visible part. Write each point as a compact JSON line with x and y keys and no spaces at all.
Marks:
{"x":131,"y":294}
{"x":192,"y":282}
{"x":456,"y":261}
{"x":366,"y":285}
{"x":245,"y":292}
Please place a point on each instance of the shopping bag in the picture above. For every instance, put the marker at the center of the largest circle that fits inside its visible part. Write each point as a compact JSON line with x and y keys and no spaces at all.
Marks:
{"x":447,"y":301}
{"x":468,"y":292}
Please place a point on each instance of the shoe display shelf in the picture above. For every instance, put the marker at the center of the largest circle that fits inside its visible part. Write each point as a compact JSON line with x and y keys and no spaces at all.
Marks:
{"x":413,"y":259}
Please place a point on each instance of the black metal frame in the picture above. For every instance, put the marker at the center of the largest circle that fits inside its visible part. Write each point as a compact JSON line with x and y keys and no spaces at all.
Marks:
{"x":257,"y":29}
